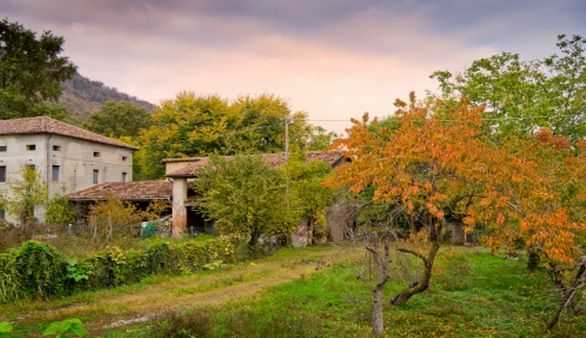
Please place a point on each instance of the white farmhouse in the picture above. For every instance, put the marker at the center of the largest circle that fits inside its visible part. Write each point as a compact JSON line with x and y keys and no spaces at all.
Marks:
{"x":67,"y":157}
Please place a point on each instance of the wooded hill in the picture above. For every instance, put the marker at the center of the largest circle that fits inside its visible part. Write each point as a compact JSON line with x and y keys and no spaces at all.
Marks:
{"x":82,"y":96}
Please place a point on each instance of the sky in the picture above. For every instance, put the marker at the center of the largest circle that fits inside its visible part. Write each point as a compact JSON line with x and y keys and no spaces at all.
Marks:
{"x":334,"y":59}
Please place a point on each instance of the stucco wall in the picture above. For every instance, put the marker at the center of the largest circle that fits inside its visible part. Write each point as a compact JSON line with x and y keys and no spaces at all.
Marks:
{"x":74,"y":157}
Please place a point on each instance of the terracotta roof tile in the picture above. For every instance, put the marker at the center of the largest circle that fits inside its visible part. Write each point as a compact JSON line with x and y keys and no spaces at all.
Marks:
{"x":129,"y":191}
{"x":47,"y":125}
{"x":193,"y":164}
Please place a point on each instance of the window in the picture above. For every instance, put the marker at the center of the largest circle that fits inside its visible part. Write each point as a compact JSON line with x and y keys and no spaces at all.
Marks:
{"x":3,"y":173}
{"x":96,"y":176}
{"x":124,"y":176}
{"x":56,"y":148}
{"x":96,"y":154}
{"x":3,"y":149}
{"x":2,"y":214}
{"x":55,"y":173}
{"x":124,"y":158}
{"x":31,"y":147}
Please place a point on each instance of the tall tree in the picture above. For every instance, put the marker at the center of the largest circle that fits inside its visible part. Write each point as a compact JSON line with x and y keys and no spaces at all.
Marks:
{"x":191,"y":125}
{"x":244,"y":196}
{"x":31,"y":70}
{"x":430,"y":169}
{"x":521,"y":96}
{"x":119,"y":118}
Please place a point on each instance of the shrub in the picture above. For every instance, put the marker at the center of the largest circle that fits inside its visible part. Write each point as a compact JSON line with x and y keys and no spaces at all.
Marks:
{"x":60,"y":211}
{"x":244,"y":196}
{"x":38,"y":270}
{"x":9,"y":285}
{"x":41,"y":270}
{"x":113,"y":217}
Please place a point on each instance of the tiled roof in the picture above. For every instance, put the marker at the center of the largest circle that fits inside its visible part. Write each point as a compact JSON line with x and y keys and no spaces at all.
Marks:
{"x":47,"y":125}
{"x":193,"y":164}
{"x":129,"y":191}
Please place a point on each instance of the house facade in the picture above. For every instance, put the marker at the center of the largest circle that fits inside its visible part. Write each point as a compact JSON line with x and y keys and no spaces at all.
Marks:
{"x":66,"y":157}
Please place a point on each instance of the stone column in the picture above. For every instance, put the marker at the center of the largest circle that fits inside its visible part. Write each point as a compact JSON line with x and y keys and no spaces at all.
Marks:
{"x":179,"y":215}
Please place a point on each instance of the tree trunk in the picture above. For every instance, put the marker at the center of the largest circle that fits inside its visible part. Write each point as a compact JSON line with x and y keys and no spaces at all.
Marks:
{"x":422,"y":284}
{"x":253,"y":241}
{"x":458,"y":234}
{"x":378,"y":293}
{"x":533,"y":260}
{"x":378,"y":299}
{"x":570,"y":294}
{"x":110,"y":228}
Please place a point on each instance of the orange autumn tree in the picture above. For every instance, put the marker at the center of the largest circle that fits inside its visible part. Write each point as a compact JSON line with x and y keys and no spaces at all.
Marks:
{"x":543,"y":205}
{"x":431,"y":166}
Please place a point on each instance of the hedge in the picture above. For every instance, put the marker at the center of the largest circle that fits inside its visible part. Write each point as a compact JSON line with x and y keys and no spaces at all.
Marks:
{"x":38,"y":270}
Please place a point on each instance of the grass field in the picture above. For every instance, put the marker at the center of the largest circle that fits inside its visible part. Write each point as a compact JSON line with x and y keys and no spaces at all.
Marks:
{"x":474,"y":294}
{"x":316,"y":292}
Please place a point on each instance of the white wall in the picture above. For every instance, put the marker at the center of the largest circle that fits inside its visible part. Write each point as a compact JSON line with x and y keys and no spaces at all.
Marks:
{"x":75,"y":159}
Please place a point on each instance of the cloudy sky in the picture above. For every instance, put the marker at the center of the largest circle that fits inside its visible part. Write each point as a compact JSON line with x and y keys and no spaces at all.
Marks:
{"x":331,"y":58}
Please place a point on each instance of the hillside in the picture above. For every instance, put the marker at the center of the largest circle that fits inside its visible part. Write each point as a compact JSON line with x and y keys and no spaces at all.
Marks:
{"x":82,"y":96}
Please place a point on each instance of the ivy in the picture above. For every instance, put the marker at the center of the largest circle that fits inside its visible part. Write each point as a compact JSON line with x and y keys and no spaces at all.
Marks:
{"x":38,"y":270}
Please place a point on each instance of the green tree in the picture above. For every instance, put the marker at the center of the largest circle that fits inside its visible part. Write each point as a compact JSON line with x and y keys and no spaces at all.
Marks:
{"x":119,"y":118}
{"x":60,"y":211}
{"x":27,"y":193}
{"x":522,"y":96}
{"x":199,"y":126}
{"x":305,"y":183}
{"x":244,"y":196}
{"x":31,"y":70}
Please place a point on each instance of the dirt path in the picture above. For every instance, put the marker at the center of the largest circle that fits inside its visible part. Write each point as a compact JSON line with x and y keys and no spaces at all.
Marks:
{"x":105,"y":309}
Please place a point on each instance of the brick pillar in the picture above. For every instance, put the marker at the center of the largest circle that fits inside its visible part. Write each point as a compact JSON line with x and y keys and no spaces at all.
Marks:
{"x":179,"y":215}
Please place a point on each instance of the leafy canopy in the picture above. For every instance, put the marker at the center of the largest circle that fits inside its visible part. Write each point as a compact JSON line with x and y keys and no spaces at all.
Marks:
{"x":27,"y":193}
{"x":521,"y":96}
{"x":244,"y":196}
{"x":31,"y":71}
{"x":191,"y":125}
{"x":119,"y":118}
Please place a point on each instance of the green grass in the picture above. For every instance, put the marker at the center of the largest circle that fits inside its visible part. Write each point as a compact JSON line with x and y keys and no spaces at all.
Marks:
{"x":473,"y":294}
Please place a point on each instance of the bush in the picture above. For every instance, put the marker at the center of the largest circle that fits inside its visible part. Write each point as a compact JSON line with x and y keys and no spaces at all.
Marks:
{"x":60,"y":211}
{"x":38,"y":270}
{"x":9,"y":285}
{"x":41,"y":270}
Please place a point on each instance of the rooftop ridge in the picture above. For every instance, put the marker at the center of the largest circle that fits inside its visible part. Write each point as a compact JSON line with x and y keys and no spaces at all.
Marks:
{"x":48,"y":125}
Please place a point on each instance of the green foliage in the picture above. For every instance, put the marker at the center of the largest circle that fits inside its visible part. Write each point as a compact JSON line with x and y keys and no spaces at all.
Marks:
{"x":26,"y":194}
{"x":9,"y":281}
{"x":522,"y":95}
{"x":37,"y":270}
{"x":495,"y":298}
{"x":77,"y":273}
{"x":113,"y":218}
{"x":199,"y":126}
{"x":309,"y":195}
{"x":31,"y":70}
{"x":65,"y":329}
{"x":244,"y":196}
{"x":6,"y":330}
{"x":60,"y":211}
{"x":41,"y":270}
{"x":119,"y":118}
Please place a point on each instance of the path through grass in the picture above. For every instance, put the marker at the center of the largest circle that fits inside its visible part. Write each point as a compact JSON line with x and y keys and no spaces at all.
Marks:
{"x":104,"y":309}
